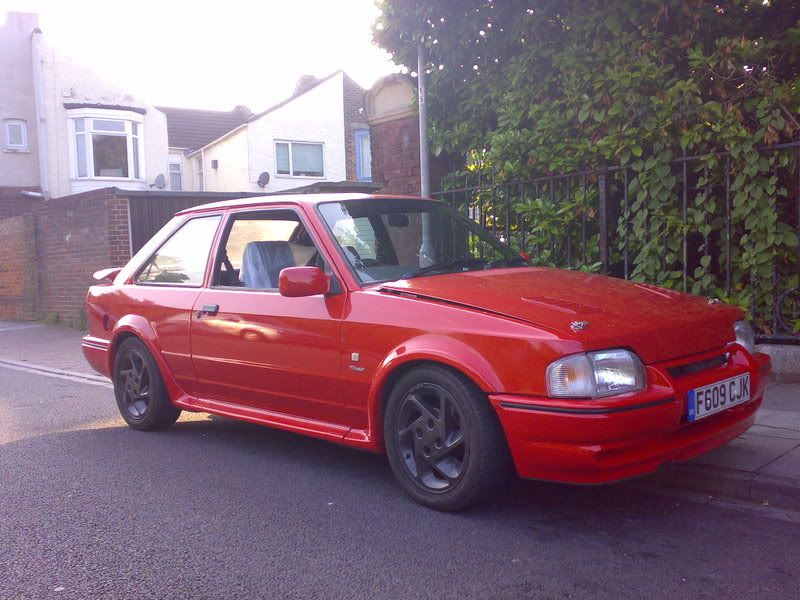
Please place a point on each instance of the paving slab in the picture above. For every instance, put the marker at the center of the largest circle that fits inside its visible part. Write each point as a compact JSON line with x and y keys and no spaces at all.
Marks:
{"x":783,"y":396}
{"x":48,"y":345}
{"x":787,"y":465}
{"x":748,"y":452}
{"x":771,"y":431}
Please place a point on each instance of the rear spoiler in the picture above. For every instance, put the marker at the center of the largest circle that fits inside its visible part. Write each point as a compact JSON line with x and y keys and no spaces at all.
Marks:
{"x":107,"y":275}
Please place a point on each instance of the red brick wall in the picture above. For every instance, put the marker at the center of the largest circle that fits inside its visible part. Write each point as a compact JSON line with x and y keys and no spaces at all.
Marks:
{"x":14,"y":203}
{"x":76,"y":236}
{"x":17,"y":268}
{"x":395,"y":155}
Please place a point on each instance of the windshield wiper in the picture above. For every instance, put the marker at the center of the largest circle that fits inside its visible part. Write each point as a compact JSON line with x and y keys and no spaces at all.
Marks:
{"x":462,"y":264}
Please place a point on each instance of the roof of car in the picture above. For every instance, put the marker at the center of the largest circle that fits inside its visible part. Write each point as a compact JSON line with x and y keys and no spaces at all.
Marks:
{"x":311,"y":199}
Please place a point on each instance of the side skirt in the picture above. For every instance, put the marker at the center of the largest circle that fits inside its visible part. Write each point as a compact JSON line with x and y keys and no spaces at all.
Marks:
{"x":331,"y":432}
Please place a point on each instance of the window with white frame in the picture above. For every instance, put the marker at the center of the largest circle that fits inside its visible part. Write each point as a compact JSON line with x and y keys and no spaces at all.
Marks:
{"x":107,"y":147}
{"x":16,"y":135}
{"x":175,"y":173}
{"x":201,"y":184}
{"x":299,"y":159}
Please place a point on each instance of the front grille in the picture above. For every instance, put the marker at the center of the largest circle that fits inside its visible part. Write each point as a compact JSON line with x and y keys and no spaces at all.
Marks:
{"x":697,"y":367}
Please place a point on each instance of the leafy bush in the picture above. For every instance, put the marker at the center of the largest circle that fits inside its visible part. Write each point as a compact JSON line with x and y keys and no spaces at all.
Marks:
{"x":522,"y":90}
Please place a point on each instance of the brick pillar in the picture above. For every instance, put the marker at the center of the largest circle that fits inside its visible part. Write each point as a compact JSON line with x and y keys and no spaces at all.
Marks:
{"x":394,"y":134}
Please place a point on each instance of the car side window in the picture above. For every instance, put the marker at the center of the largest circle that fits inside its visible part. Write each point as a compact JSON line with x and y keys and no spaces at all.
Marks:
{"x":182,"y":259}
{"x":258,"y":246}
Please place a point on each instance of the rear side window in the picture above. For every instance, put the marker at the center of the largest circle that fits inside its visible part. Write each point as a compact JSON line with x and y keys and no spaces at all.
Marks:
{"x":182,"y":259}
{"x":260,"y":245}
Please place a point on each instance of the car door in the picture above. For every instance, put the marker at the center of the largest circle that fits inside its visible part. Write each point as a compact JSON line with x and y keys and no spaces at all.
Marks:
{"x":253,"y":347}
{"x":164,"y":289}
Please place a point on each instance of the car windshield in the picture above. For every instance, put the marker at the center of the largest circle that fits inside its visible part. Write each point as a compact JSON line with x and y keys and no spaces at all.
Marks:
{"x":389,"y":239}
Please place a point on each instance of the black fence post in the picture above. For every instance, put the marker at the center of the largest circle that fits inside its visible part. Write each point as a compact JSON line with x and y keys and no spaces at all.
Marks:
{"x":602,"y":218}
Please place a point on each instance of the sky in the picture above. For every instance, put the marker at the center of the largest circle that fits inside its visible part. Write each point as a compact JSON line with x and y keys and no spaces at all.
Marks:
{"x":215,"y":55}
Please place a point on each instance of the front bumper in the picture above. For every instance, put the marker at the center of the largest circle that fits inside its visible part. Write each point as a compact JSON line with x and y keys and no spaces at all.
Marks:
{"x":599,"y":441}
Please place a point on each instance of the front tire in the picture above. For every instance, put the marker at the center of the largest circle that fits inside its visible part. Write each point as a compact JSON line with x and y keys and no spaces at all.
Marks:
{"x":141,"y":395}
{"x":443,"y":440}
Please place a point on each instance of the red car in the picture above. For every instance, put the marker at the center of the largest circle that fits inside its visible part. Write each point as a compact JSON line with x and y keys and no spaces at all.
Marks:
{"x":398,"y":325}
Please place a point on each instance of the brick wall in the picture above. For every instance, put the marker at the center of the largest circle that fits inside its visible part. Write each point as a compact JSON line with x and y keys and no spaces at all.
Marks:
{"x":395,"y":155}
{"x":76,"y":236}
{"x":17,"y":268}
{"x":13,"y":203}
{"x":354,"y":118}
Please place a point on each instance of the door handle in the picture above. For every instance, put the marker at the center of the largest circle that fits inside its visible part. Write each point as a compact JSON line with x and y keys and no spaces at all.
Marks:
{"x":208,"y":309}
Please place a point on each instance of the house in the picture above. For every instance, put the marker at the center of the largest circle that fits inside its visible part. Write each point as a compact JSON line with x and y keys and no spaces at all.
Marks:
{"x":318,"y":134}
{"x":65,"y":131}
{"x":188,"y":130}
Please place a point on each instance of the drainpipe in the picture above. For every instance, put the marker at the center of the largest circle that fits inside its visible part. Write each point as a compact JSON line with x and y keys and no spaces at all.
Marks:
{"x":426,"y":252}
{"x":41,"y":115}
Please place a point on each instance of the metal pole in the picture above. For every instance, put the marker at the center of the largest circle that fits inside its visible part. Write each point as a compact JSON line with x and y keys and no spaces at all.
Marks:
{"x":426,"y":250}
{"x":424,"y":155}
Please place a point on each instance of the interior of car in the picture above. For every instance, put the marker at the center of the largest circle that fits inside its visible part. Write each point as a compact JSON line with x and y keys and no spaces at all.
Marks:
{"x":258,"y":246}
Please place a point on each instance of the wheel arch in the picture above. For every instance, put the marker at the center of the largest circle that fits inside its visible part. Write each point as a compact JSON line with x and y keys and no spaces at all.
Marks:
{"x":135,"y":326}
{"x":447,"y":353}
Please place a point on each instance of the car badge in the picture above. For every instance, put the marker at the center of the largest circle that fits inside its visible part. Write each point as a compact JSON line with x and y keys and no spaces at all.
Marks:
{"x":713,"y":301}
{"x":579,"y":325}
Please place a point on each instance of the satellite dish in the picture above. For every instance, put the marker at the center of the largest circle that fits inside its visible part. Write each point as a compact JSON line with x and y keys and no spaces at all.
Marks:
{"x":263,"y":180}
{"x":160,"y":182}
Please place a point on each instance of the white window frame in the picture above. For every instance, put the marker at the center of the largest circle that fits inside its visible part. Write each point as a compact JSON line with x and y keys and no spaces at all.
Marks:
{"x":200,"y":172}
{"x":291,"y":175}
{"x":125,"y":116}
{"x":7,"y":145}
{"x":175,"y":160}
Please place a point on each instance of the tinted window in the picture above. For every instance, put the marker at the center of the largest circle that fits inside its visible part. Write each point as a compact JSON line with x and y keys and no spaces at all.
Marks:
{"x":182,"y":259}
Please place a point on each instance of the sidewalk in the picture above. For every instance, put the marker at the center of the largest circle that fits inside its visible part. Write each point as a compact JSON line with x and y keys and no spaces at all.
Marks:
{"x":762,"y":465}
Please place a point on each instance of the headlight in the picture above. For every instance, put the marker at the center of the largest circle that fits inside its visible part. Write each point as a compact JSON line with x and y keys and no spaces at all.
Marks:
{"x":595,"y":375}
{"x":744,"y":335}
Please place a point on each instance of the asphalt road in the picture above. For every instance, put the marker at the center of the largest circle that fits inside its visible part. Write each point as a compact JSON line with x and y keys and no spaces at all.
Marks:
{"x":213,"y":508}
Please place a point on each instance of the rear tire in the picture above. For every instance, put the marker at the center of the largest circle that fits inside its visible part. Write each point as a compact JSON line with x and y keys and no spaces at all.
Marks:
{"x":141,"y":395}
{"x":443,"y":440}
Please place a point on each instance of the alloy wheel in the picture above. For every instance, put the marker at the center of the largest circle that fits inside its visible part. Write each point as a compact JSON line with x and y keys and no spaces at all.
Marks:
{"x":134,"y":383}
{"x":432,"y":437}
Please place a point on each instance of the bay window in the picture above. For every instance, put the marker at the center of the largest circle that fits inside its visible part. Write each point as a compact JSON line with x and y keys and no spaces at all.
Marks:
{"x":106,"y":144}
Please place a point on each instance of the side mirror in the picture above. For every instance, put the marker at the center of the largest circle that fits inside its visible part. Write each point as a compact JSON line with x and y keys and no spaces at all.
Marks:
{"x":296,"y":282}
{"x":107,"y":275}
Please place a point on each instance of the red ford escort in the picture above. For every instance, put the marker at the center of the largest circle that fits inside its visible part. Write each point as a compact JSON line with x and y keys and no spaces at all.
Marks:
{"x":398,"y":325}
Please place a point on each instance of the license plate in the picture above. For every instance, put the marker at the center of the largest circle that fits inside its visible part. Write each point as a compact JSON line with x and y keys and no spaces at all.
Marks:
{"x":718,"y":396}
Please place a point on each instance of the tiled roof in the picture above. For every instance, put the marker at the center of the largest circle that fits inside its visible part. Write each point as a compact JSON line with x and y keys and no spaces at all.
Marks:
{"x":191,"y":128}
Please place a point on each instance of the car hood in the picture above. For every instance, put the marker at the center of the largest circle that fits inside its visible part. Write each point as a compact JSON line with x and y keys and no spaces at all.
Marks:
{"x":657,"y":323}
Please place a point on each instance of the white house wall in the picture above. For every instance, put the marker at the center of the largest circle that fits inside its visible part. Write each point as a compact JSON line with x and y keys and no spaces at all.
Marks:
{"x":65,"y":82}
{"x":16,"y":98}
{"x":232,"y":173}
{"x":315,"y":116}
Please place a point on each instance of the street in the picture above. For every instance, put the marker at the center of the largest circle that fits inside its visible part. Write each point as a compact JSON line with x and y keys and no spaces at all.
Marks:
{"x":213,"y":508}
